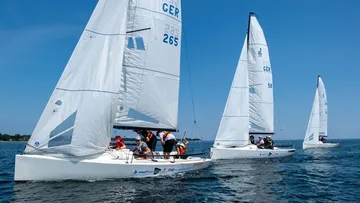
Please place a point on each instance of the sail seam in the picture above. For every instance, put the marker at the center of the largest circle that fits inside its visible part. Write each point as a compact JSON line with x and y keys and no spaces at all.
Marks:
{"x":102,"y":91}
{"x":159,"y":13}
{"x":258,"y":44}
{"x":151,"y":70}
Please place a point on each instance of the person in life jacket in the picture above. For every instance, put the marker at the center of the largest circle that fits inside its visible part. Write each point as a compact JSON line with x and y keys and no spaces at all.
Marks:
{"x":269,"y":143}
{"x":323,"y":140}
{"x":181,"y":147}
{"x":260,"y":143}
{"x":141,"y":148}
{"x":119,"y":143}
{"x":251,"y":139}
{"x":150,"y":139}
{"x":168,"y":141}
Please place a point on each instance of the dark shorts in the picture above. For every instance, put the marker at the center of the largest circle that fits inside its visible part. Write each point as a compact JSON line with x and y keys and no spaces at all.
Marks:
{"x":152,"y":144}
{"x":169,"y":145}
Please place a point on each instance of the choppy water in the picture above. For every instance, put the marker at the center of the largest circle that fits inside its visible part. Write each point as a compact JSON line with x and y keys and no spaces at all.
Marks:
{"x":330,"y":175}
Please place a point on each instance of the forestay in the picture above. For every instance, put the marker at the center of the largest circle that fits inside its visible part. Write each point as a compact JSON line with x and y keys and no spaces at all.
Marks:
{"x":151,"y":68}
{"x":312,"y":131}
{"x":323,"y":108}
{"x":260,"y":81}
{"x":78,"y":117}
{"x":234,"y":126}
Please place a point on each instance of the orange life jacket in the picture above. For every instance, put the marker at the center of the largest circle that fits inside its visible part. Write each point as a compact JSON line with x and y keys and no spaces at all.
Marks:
{"x":150,"y":134}
{"x":182,"y":149}
{"x":165,"y":134}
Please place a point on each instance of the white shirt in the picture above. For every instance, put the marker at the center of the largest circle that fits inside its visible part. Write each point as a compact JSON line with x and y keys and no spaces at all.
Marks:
{"x":170,"y":136}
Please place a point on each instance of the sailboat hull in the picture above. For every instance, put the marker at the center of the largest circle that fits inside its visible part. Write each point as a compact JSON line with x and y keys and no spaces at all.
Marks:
{"x":109,"y":165}
{"x":249,"y":151}
{"x":319,"y":145}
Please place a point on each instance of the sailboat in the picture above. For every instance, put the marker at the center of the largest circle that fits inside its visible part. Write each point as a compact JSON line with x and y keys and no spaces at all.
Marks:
{"x":316,"y":131}
{"x":249,"y":108}
{"x":124,"y":72}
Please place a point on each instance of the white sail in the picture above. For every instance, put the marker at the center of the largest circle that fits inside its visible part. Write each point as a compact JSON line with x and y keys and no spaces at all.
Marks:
{"x":312,"y":131}
{"x":260,"y":81}
{"x":151,"y":69}
{"x":234,"y":126}
{"x":323,"y":108}
{"x":78,"y":117}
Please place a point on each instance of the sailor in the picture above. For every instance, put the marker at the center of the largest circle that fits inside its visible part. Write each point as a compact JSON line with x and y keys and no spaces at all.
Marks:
{"x":181,"y":146}
{"x":260,"y":143}
{"x":141,"y":148}
{"x":323,"y":140}
{"x":269,"y":144}
{"x":252,"y":141}
{"x":168,"y":141}
{"x":119,"y":143}
{"x":150,"y":139}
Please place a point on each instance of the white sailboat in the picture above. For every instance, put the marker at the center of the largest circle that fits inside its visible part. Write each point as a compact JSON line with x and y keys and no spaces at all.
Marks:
{"x":125,"y":70}
{"x":317,"y":126}
{"x":249,"y":108}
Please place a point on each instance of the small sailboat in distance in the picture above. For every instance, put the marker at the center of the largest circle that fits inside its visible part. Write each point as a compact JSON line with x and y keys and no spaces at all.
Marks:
{"x":126,"y":64}
{"x":249,"y":108}
{"x":316,"y":131}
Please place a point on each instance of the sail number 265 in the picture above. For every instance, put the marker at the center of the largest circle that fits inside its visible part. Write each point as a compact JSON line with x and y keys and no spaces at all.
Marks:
{"x":171,"y":35}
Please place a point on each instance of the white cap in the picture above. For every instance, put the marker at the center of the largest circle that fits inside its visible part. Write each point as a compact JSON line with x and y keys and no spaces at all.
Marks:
{"x":137,"y":138}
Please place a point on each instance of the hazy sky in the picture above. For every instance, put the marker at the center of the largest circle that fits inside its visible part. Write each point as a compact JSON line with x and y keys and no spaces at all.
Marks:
{"x":305,"y":38}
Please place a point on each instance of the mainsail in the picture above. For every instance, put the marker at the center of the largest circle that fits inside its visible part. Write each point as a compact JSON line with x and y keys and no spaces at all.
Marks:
{"x":260,"y":80}
{"x":323,"y":108}
{"x":234,"y":126}
{"x":78,"y":117}
{"x":151,"y":68}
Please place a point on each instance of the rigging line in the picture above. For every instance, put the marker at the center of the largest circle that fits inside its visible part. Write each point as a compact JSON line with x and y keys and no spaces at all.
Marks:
{"x":189,"y":72}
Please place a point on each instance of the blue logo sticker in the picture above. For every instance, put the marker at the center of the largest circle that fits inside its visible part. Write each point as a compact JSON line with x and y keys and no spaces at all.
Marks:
{"x":121,"y":108}
{"x":36,"y":143}
{"x":156,"y":171}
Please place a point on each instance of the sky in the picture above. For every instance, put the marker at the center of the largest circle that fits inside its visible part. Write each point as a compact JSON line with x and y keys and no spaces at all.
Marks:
{"x":305,"y":38}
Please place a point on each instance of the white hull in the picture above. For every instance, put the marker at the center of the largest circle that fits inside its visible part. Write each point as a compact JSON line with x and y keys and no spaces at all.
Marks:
{"x":103,"y":166}
{"x":249,"y":151}
{"x":319,"y":145}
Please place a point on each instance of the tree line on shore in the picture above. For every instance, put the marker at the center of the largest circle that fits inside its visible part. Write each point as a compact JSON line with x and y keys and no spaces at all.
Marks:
{"x":16,"y":137}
